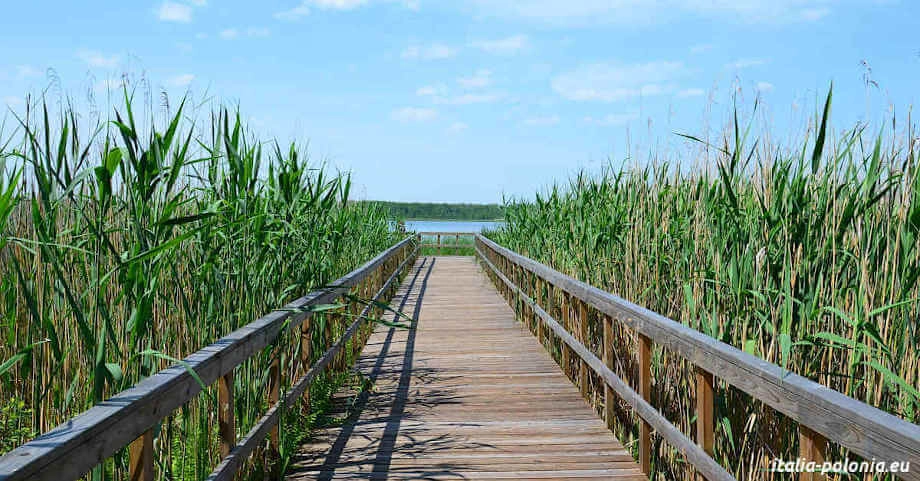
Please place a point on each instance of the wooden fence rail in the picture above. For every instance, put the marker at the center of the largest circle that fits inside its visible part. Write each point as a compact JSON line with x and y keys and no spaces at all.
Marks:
{"x":75,"y":447}
{"x":445,"y":236}
{"x":822,"y":414}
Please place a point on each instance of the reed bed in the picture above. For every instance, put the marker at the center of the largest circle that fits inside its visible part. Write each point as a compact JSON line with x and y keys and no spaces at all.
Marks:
{"x":130,"y":243}
{"x":806,"y":256}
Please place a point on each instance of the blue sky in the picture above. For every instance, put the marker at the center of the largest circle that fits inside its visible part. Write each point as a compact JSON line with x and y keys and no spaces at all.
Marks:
{"x":470,"y":100}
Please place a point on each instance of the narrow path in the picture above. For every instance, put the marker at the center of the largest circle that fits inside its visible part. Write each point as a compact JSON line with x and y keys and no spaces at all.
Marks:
{"x":467,"y":394}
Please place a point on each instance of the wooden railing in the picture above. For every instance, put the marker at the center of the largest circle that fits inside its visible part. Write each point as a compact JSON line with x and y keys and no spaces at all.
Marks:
{"x":446,"y":236}
{"x":821,"y":413}
{"x":75,"y":447}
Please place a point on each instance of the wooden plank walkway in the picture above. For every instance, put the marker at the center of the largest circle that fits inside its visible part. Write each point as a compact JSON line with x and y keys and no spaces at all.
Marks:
{"x":467,"y":394}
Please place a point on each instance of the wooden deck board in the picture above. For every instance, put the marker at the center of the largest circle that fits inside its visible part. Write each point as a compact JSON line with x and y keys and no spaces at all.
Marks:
{"x":468,"y":394}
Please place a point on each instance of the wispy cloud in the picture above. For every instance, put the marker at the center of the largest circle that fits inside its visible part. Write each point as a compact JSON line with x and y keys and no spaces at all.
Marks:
{"x":303,"y":9}
{"x":258,"y":32}
{"x":691,"y":92}
{"x":482,"y":78}
{"x":336,"y":4}
{"x":435,"y":51}
{"x":431,"y":90}
{"x":13,"y":102}
{"x":814,"y":14}
{"x":503,"y":46}
{"x":544,"y":121}
{"x":181,"y":80}
{"x":414,"y":114}
{"x":743,"y":63}
{"x":174,"y":12}
{"x":632,"y":12}
{"x":764,"y":87}
{"x":229,"y":33}
{"x":94,"y":58}
{"x":700,"y":48}
{"x":27,"y":71}
{"x":609,"y":82}
{"x":468,"y":99}
{"x":613,"y":119}
{"x":457,"y":127}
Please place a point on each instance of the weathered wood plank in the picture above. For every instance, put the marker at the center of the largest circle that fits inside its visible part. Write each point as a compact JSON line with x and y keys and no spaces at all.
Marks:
{"x":866,"y":430}
{"x":466,"y":394}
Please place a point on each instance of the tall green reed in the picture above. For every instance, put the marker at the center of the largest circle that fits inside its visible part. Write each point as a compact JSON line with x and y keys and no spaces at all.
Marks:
{"x":138,"y":241}
{"x":807,"y":257}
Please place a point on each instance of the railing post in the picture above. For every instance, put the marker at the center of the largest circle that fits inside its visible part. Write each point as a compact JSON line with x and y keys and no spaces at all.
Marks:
{"x":439,"y":244}
{"x":541,"y":301}
{"x":566,"y":322}
{"x":812,"y":446}
{"x":645,"y":390}
{"x":140,"y":454}
{"x":608,"y":361}
{"x":705,"y":402}
{"x":274,"y":391}
{"x":306,"y":356}
{"x":583,"y":338}
{"x":226,"y":420}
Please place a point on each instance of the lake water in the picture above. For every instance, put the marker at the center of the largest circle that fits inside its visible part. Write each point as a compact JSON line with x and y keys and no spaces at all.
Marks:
{"x":450,"y":225}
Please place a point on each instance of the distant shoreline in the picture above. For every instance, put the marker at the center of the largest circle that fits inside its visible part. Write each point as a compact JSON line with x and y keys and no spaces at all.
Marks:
{"x":454,"y":220}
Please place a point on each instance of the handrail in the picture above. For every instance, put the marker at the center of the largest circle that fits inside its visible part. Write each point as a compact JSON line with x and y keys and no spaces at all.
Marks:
{"x":76,"y":446}
{"x":448,"y":235}
{"x":863,"y":429}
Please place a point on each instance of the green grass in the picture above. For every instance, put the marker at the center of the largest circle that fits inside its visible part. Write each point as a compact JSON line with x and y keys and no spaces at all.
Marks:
{"x":450,"y":246}
{"x":808,"y":257}
{"x":129,"y":242}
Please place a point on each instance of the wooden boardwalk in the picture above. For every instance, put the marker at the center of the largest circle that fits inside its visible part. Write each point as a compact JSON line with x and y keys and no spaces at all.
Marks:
{"x":467,"y":394}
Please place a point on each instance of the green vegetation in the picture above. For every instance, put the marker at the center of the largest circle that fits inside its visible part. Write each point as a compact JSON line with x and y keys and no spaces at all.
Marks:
{"x":807,"y":257}
{"x":432,"y":211}
{"x":130,"y":243}
{"x":450,"y":246}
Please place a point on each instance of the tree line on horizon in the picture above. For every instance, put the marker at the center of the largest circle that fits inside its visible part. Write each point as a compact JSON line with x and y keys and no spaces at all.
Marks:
{"x":439,"y":211}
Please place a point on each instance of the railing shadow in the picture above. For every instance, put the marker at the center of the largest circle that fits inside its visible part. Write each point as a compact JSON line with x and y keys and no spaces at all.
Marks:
{"x":400,"y":437}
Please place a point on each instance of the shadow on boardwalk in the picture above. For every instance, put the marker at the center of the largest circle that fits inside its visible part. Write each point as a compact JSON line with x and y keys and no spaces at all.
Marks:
{"x":373,"y":409}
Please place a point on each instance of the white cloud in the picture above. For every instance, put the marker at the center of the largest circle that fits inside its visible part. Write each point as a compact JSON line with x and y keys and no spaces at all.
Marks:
{"x":691,"y":92}
{"x":743,"y":63}
{"x":295,"y":13}
{"x":337,"y":4}
{"x":414,"y":114}
{"x":503,"y":46}
{"x":700,"y":48}
{"x":13,"y":102}
{"x":764,"y":87}
{"x":198,"y":3}
{"x":814,"y":14}
{"x":632,"y":12}
{"x":435,"y":51}
{"x":258,"y":32}
{"x":94,"y":58}
{"x":174,"y":12}
{"x":542,"y":121}
{"x":229,"y":33}
{"x":27,"y":71}
{"x":608,"y":82}
{"x":482,"y":78}
{"x":303,"y":9}
{"x":182,"y":80}
{"x":109,"y":86}
{"x":457,"y":127}
{"x":431,"y":90}
{"x":467,"y":99}
{"x":613,"y":119}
